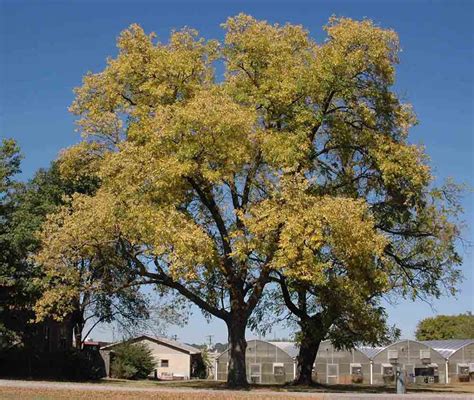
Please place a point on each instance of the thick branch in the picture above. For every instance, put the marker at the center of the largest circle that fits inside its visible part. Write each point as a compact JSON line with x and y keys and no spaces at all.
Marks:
{"x":162,"y":278}
{"x":287,"y":297}
{"x":208,"y":200}
{"x":249,"y":179}
{"x":325,"y":108}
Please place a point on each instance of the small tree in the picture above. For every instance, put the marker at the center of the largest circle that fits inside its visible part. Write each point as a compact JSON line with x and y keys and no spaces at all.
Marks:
{"x":132,"y":361}
{"x":201,"y":364}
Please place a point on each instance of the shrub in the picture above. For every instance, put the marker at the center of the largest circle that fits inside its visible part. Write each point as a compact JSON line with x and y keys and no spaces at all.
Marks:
{"x":83,"y":365}
{"x":132,"y":361}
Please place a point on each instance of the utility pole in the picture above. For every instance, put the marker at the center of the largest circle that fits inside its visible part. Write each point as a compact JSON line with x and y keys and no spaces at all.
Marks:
{"x":210,"y":340}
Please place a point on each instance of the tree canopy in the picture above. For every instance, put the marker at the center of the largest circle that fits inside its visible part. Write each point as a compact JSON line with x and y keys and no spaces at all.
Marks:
{"x":10,"y":159}
{"x":27,"y":289}
{"x":444,"y":327}
{"x":296,"y":164}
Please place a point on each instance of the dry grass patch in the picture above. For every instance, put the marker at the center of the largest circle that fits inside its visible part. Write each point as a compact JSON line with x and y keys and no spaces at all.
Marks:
{"x":358,"y":388}
{"x":7,"y":393}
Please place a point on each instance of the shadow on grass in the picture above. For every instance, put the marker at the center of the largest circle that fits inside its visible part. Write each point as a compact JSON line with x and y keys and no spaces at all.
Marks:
{"x":290,"y":387}
{"x":287,"y":388}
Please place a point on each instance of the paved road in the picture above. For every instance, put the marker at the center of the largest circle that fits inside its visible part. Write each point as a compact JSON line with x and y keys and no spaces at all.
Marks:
{"x":319,"y":396}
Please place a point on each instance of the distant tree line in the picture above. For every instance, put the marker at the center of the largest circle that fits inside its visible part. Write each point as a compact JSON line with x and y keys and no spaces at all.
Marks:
{"x":444,"y":327}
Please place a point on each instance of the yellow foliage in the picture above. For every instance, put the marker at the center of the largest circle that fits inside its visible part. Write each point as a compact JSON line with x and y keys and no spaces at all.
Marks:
{"x":265,"y":163}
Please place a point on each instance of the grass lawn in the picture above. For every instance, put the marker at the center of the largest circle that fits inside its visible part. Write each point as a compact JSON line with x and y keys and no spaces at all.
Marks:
{"x":75,"y":394}
{"x":360,"y":388}
{"x":104,"y":390}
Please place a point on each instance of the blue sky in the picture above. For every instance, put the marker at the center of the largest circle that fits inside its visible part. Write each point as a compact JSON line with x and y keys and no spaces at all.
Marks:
{"x":46,"y":47}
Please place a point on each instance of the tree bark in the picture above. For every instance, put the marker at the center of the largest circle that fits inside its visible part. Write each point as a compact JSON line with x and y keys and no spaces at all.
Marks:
{"x":78,"y":336}
{"x":77,"y":321}
{"x":237,"y":372}
{"x":310,"y":340}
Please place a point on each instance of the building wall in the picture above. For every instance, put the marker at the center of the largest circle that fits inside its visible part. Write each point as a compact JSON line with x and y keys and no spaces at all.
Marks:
{"x":179,"y":363}
{"x":267,"y":357}
{"x":326,"y":359}
{"x":105,"y":354}
{"x":409,"y":359}
{"x":464,"y":355}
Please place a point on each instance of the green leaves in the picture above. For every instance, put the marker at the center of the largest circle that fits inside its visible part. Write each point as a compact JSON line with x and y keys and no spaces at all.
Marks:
{"x":10,"y":158}
{"x":132,"y":361}
{"x":443,"y":327}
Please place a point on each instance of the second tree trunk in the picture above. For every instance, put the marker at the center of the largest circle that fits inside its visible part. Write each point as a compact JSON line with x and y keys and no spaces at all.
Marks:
{"x":237,"y":373}
{"x":309,"y":345}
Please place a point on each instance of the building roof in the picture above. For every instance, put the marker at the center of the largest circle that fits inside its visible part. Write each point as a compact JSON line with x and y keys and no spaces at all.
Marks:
{"x":447,"y":347}
{"x":95,"y":343}
{"x":291,"y":348}
{"x":160,"y":340}
{"x":369,"y":351}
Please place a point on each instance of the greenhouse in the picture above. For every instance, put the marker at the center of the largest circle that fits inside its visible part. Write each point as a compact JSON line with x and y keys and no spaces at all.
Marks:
{"x":341,"y":366}
{"x":266,"y":363}
{"x":426,"y":362}
{"x":275,"y":362}
{"x":421,"y":363}
{"x":459,"y":356}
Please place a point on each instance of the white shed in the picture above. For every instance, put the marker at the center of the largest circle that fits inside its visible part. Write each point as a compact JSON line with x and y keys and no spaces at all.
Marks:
{"x":173,"y":359}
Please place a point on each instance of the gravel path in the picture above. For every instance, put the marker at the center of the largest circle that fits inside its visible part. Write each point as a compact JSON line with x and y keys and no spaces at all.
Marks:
{"x":323,"y":396}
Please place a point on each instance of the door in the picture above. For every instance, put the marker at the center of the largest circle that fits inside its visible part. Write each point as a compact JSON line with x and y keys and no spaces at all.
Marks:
{"x":332,"y":373}
{"x":410,"y":371}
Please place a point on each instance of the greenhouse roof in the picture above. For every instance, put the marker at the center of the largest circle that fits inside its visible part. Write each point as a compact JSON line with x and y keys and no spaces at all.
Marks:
{"x":290,"y":348}
{"x":369,"y":351}
{"x":447,"y":347}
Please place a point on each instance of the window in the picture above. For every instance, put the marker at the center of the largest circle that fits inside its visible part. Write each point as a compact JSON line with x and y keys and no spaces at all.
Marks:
{"x":164,"y":363}
{"x":255,"y":373}
{"x":430,"y":370}
{"x":388,"y":373}
{"x":427,"y":374}
{"x":463,"y":372}
{"x":425,"y":354}
{"x":356,"y":369}
{"x":356,"y":372}
{"x":393,"y":354}
{"x":387,"y":370}
{"x":463,"y":369}
{"x":278,"y":369}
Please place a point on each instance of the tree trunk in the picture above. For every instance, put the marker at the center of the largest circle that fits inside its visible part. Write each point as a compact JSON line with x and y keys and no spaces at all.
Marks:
{"x":309,"y":345}
{"x":236,"y":372}
{"x":77,"y":321}
{"x":77,"y":327}
{"x":78,"y":336}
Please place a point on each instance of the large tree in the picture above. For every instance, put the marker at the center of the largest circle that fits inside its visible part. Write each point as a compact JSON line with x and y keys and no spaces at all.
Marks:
{"x":443,"y":327}
{"x":213,"y":186}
